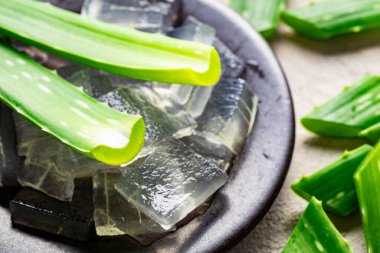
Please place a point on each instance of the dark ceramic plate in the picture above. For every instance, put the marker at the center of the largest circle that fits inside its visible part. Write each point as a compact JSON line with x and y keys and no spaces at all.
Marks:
{"x":255,"y":179}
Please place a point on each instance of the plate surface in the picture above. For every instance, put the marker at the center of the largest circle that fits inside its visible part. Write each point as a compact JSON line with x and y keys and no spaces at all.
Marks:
{"x":254,"y":181}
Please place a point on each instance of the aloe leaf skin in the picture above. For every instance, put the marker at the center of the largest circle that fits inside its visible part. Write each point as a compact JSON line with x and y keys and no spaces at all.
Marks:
{"x":66,"y":112}
{"x":122,"y":51}
{"x":327,"y":19}
{"x":237,"y":5}
{"x":334,"y":184}
{"x":367,"y":181}
{"x":349,"y":113}
{"x":263,"y":15}
{"x":372,"y":133}
{"x":314,"y":233}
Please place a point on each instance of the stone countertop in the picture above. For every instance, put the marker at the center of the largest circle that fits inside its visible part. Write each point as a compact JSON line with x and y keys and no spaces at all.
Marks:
{"x":316,"y":71}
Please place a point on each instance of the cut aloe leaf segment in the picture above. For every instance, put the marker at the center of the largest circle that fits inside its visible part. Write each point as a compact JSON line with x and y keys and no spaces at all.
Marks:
{"x":367,"y":181}
{"x":350,"y":113}
{"x":66,"y":112}
{"x":334,"y":184}
{"x":264,"y":15}
{"x":314,"y":233}
{"x":327,"y":19}
{"x":122,"y":51}
{"x":372,"y":133}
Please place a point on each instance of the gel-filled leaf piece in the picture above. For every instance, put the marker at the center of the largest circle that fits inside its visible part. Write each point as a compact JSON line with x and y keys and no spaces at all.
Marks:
{"x":367,"y":181}
{"x":334,"y":184}
{"x":349,"y":113}
{"x":66,"y":112}
{"x":314,"y":233}
{"x":327,"y":19}
{"x":263,"y":15}
{"x":122,"y":51}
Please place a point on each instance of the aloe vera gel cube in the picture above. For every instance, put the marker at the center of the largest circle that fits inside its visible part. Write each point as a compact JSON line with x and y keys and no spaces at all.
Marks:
{"x":229,"y":114}
{"x":172,"y":182}
{"x":194,"y":98}
{"x":142,"y":15}
{"x":114,"y":215}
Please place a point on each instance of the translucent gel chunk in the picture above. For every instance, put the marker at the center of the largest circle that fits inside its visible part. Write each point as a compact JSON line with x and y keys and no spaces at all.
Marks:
{"x":229,"y":115}
{"x":232,"y":65}
{"x":171,"y":183}
{"x":116,"y":216}
{"x":162,"y":117}
{"x":142,"y":15}
{"x":194,"y":98}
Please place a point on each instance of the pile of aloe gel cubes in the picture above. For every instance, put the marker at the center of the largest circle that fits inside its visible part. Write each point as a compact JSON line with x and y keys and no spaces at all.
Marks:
{"x":129,"y":136}
{"x":353,"y":181}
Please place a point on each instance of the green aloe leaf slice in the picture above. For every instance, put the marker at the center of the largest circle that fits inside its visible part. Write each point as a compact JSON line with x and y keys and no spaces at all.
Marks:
{"x":334,"y":184}
{"x":327,"y":19}
{"x":123,"y":51}
{"x":66,"y":112}
{"x":372,"y":133}
{"x":367,"y":182}
{"x":264,"y":15}
{"x":314,"y":233}
{"x":349,"y":113}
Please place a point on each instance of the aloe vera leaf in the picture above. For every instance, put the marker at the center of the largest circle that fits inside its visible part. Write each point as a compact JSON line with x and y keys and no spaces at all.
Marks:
{"x":66,"y":112}
{"x":350,"y":112}
{"x":327,"y":19}
{"x":334,"y":184}
{"x":122,"y":51}
{"x":264,"y":15}
{"x":372,"y":133}
{"x":314,"y":233}
{"x":237,"y":5}
{"x":367,"y":181}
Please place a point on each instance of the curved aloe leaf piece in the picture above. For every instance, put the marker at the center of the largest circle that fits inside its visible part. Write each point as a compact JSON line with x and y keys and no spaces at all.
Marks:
{"x":367,"y":181}
{"x":328,"y":19}
{"x":349,"y":113}
{"x":66,"y":112}
{"x":315,"y":233}
{"x":264,"y":15}
{"x":122,"y":51}
{"x":334,"y":184}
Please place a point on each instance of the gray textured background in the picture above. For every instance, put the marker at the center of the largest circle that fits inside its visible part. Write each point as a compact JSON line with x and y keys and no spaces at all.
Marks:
{"x":316,"y":71}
